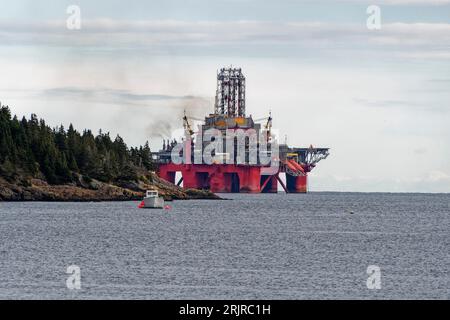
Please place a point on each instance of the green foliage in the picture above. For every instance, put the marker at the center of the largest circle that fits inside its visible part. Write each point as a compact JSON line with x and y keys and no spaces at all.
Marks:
{"x":33,"y":148}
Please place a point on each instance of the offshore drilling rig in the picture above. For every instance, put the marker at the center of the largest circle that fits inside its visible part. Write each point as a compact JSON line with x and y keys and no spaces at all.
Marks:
{"x":230,"y":172}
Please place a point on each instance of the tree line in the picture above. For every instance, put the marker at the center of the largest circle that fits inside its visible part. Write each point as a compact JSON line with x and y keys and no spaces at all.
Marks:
{"x":29,"y":147}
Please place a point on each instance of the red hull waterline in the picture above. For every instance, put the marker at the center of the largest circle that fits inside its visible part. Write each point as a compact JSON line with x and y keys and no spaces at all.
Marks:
{"x":229,"y":178}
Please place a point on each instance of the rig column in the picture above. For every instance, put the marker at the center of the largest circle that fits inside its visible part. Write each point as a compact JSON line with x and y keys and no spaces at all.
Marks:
{"x":297,"y":184}
{"x":167,"y":175}
{"x":250,"y":178}
{"x":189,"y":178}
{"x":271,"y":184}
{"x":218,"y":182}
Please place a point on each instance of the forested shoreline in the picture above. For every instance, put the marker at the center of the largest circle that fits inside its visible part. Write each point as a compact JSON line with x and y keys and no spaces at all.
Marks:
{"x":30,"y":147}
{"x":38,"y":162}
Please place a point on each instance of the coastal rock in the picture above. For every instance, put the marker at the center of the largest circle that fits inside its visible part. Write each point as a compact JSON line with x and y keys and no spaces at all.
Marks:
{"x":40,"y":190}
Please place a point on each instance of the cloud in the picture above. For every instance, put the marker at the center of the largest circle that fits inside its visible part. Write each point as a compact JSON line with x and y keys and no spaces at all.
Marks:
{"x":431,"y":182}
{"x":108,"y":95}
{"x":401,"y":2}
{"x":444,"y":81}
{"x":403,"y":104}
{"x":413,"y":40}
{"x":438,"y":176}
{"x":159,"y":115}
{"x":384,"y":103}
{"x":414,"y":2}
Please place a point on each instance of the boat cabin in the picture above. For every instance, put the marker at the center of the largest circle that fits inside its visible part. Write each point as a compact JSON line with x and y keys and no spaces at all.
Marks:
{"x":151,"y":194}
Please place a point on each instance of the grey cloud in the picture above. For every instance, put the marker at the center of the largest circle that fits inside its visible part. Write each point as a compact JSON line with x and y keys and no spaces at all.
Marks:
{"x":410,"y":39}
{"x":445,"y":81}
{"x":432,"y":182}
{"x":406,"y":104}
{"x":383,"y":103}
{"x":398,"y":2}
{"x":162,"y":113}
{"x":108,"y":94}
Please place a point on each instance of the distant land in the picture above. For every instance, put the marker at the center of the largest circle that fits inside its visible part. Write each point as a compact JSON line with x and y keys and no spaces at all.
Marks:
{"x":39,"y":163}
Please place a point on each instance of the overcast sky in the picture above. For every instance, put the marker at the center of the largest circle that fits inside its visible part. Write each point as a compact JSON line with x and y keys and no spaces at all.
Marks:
{"x":379,"y":99}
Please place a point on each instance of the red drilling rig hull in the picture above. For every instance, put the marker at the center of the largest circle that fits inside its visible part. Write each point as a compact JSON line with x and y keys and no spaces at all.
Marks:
{"x":229,"y":178}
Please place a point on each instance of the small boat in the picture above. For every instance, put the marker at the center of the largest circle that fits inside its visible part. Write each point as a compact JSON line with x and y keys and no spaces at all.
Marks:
{"x":152,"y":200}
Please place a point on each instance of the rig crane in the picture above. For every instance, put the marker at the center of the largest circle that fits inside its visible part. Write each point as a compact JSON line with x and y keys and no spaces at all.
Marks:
{"x":187,"y":126}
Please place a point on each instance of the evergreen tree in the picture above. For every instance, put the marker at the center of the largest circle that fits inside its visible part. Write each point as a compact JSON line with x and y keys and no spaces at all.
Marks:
{"x":32,"y":148}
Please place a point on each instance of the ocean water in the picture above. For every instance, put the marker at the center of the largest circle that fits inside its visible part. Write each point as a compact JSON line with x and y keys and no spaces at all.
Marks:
{"x":267,"y":246}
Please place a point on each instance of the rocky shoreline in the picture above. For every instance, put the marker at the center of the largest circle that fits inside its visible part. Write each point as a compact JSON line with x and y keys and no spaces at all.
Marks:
{"x":83,"y":191}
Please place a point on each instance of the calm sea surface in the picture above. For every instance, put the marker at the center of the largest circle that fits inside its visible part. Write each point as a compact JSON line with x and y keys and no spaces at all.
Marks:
{"x":275,"y":246}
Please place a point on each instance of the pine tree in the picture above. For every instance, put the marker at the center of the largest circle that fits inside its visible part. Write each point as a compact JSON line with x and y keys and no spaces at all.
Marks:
{"x":32,"y":148}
